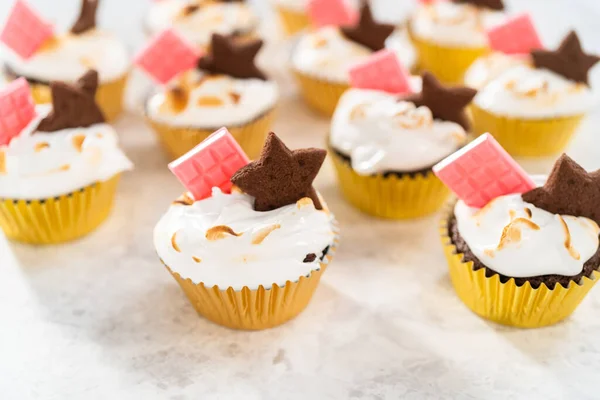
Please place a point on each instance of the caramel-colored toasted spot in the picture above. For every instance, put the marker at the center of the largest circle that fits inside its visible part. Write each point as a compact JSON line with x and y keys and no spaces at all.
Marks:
{"x":320,"y":42}
{"x":568,"y":245}
{"x":303,"y":202}
{"x":40,"y":146}
{"x":78,"y":142}
{"x":220,"y":232}
{"x":209,"y":101}
{"x":50,"y":44}
{"x":174,"y":243}
{"x":196,"y":259}
{"x":188,"y":10}
{"x":184,"y":200}
{"x":235,"y":97}
{"x":263,"y":233}
{"x":65,"y":167}
{"x":512,"y":232}
{"x":483,"y":209}
{"x":357,"y":112}
{"x":99,"y":135}
{"x":489,"y":252}
{"x":528,"y":212}
{"x":512,"y":214}
{"x":87,"y":62}
{"x":176,"y":99}
{"x":2,"y":162}
{"x":236,"y":189}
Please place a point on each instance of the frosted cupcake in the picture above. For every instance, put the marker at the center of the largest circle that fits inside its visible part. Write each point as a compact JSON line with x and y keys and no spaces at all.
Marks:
{"x":197,"y":20}
{"x":252,"y":256}
{"x":450,"y":35}
{"x":322,"y":59}
{"x":384,"y":146}
{"x":58,"y":177}
{"x":66,"y":57}
{"x":528,"y":260}
{"x":535,"y":110}
{"x":227,"y":89}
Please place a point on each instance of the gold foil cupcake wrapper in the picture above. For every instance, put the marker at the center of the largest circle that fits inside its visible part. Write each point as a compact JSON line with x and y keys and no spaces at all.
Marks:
{"x":321,"y":95}
{"x":527,"y":138}
{"x":506,"y":303}
{"x":292,"y":21}
{"x":59,"y":219}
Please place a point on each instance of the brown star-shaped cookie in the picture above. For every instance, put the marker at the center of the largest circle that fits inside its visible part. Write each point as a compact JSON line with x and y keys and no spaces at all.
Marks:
{"x":87,"y":17}
{"x":280,"y":176}
{"x":368,"y":32}
{"x":569,"y":190}
{"x":569,"y":60}
{"x":445,"y":103}
{"x":490,"y":4}
{"x":232,"y":57}
{"x":73,"y":106}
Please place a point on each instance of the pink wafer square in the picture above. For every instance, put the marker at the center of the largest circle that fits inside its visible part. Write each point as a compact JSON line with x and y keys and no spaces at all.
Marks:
{"x":482,"y":171}
{"x":516,"y":36}
{"x":25,"y":30}
{"x":167,"y":55}
{"x":381,"y":71}
{"x":331,"y":12}
{"x":210,"y":164}
{"x":17,"y":109}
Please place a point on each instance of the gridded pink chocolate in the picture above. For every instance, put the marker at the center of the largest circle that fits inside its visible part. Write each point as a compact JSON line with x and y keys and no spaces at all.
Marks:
{"x":25,"y":30}
{"x":516,"y":36}
{"x":17,"y":109}
{"x":210,"y":164}
{"x":482,"y":171}
{"x":166,"y":56}
{"x":381,"y":71}
{"x":331,"y":12}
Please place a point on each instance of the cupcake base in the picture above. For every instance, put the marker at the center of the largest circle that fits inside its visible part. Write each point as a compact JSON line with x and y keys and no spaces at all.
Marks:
{"x":504,"y":302}
{"x":527,"y":138}
{"x":291,"y":20}
{"x":320,"y":95}
{"x":59,"y":219}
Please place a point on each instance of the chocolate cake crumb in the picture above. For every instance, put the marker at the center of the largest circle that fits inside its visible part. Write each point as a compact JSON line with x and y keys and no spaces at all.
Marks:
{"x":310,"y":258}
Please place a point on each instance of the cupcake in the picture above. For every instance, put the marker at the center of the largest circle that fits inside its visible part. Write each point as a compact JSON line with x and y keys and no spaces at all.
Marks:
{"x":65,"y":57}
{"x":226,"y":88}
{"x":59,"y":175}
{"x":384,"y":146}
{"x":322,"y":58}
{"x":197,"y":20}
{"x":526,"y":258}
{"x":535,"y":110}
{"x":450,"y":35}
{"x":248,"y":256}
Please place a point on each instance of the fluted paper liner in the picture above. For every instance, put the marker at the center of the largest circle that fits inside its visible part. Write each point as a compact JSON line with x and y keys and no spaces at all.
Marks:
{"x":179,"y":140}
{"x":320,"y":95}
{"x":392,"y":196}
{"x":507,"y":303}
{"x":292,"y":21}
{"x":58,"y":219}
{"x":527,"y":138}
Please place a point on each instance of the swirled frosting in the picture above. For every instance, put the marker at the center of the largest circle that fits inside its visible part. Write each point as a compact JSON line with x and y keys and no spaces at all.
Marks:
{"x":381,"y":134}
{"x":534,"y":93}
{"x":222,"y":241}
{"x":40,"y":165}
{"x":327,"y":54}
{"x":67,"y":57}
{"x":454,"y":25}
{"x":487,"y":68}
{"x":199,"y":25}
{"x":202,"y":101}
{"x":517,"y":239}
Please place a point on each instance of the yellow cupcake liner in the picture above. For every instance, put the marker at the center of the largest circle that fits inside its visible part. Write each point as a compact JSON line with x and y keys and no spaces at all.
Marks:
{"x":292,"y":21}
{"x":319,"y":94}
{"x":527,"y":138}
{"x":392,"y":196}
{"x":177,"y":140}
{"x":59,"y":219}
{"x":254,"y":309}
{"x":507,"y":303}
{"x":109,"y":96}
{"x":448,"y":64}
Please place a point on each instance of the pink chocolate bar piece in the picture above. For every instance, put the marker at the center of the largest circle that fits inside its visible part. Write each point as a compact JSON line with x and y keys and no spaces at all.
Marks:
{"x":210,"y":164}
{"x":25,"y":30}
{"x":17,"y":109}
{"x":516,"y":36}
{"x":482,"y":171}
{"x":381,"y":71}
{"x":331,"y":12}
{"x":167,"y":55}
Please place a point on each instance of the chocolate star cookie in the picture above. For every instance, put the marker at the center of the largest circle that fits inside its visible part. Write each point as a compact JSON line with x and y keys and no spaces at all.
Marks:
{"x":368,"y":32}
{"x":232,"y":57}
{"x":87,"y":17}
{"x":497,"y":5}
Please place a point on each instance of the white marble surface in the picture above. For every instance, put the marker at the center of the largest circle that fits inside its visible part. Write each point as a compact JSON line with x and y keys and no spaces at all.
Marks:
{"x":100,"y":318}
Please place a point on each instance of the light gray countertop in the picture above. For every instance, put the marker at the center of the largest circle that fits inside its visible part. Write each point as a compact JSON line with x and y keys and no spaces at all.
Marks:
{"x":102,"y":319}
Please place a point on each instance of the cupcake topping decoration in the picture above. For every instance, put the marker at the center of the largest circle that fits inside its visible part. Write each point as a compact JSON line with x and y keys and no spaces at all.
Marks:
{"x":446,"y":103}
{"x":367,"y":31}
{"x":17,"y":109}
{"x":569,"y":60}
{"x":497,"y":5}
{"x":280,"y":176}
{"x":516,"y":36}
{"x":482,"y":171}
{"x":569,"y":190}
{"x":231,"y":57}
{"x":166,"y":56}
{"x":331,"y":12}
{"x":25,"y":30}
{"x":87,"y":17}
{"x":381,"y":71}
{"x":73,"y":106}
